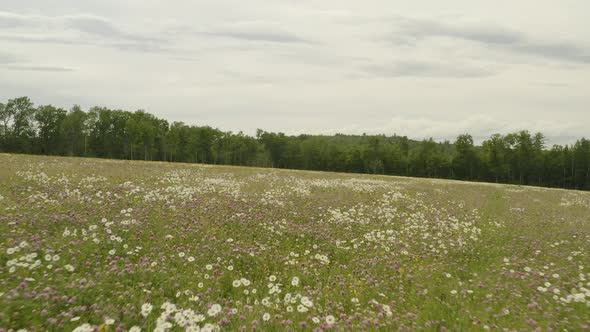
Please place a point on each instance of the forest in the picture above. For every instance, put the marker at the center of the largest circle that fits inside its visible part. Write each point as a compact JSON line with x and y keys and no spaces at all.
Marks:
{"x":515,"y":158}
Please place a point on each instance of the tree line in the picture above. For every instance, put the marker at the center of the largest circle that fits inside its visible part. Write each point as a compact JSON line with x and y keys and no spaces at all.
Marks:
{"x":516,"y":158}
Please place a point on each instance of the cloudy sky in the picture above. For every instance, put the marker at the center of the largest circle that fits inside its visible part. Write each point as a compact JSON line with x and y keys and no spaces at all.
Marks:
{"x":417,"y":68}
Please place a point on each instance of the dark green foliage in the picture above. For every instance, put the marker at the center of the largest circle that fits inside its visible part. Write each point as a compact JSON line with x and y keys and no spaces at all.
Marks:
{"x":518,"y":158}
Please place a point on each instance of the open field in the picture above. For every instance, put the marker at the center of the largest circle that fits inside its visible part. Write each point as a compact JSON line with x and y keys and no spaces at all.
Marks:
{"x":105,"y":245}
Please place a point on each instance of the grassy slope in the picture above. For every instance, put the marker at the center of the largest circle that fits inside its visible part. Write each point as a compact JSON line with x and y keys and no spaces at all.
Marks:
{"x":438,"y":254}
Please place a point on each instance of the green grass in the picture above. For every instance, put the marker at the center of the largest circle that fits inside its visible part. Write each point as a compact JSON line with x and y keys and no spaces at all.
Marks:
{"x":439,"y":254}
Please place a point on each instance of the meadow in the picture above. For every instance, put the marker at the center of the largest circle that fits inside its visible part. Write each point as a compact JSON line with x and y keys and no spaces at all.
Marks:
{"x":105,"y":245}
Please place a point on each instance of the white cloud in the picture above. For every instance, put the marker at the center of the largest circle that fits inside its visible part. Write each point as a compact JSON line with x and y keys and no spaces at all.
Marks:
{"x":424,"y":68}
{"x":414,"y":31}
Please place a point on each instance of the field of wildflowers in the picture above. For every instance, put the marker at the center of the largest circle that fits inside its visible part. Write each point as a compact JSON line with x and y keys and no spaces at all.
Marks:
{"x":101,"y":245}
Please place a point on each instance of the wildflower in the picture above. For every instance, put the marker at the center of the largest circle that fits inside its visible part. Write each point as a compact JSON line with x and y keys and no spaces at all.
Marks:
{"x":330,"y":320}
{"x":214,"y":310}
{"x":109,"y":321}
{"x":135,"y":329}
{"x":179,"y":319}
{"x":146,"y":308}
{"x":302,"y":308}
{"x":168,"y":307}
{"x":387,"y":310}
{"x":266,"y":317}
{"x":84,"y":328}
{"x":237,"y":283}
{"x":295,"y":281}
{"x":306,"y":302}
{"x":69,"y":268}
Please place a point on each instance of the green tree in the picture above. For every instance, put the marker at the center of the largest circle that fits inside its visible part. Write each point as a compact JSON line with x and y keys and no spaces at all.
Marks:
{"x":101,"y":132}
{"x":538,"y":157}
{"x":581,"y":156}
{"x":495,"y":151}
{"x":74,"y":129}
{"x":141,"y":130}
{"x":49,"y":122}
{"x":465,"y":160}
{"x":19,"y":112}
{"x":275,"y":144}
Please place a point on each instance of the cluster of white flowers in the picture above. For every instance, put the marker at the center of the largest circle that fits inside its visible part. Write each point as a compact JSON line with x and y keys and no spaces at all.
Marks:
{"x":575,"y":199}
{"x":146,"y":309}
{"x":435,"y":228}
{"x":580,"y":295}
{"x":273,"y":197}
{"x":214,"y":310}
{"x":181,"y":186}
{"x":31,"y":260}
{"x":241,"y":282}
{"x":322,"y":258}
{"x":187,"y":319}
{"x":84,"y":328}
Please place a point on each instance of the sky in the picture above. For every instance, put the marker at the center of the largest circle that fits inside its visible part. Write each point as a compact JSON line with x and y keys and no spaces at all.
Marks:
{"x":417,"y":68}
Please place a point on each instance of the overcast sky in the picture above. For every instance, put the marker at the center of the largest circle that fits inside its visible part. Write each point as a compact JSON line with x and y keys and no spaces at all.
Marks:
{"x":417,"y":68}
